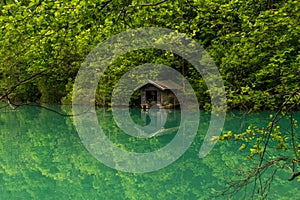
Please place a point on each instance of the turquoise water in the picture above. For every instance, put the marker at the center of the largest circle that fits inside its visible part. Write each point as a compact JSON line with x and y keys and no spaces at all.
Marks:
{"x":42,"y":157}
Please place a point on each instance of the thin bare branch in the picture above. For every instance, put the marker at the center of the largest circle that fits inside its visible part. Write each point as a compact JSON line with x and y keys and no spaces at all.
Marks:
{"x":150,"y":4}
{"x":11,"y":89}
{"x":294,"y":175}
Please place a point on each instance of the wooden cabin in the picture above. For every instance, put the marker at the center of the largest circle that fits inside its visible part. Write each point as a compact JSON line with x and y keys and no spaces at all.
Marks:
{"x":158,"y":93}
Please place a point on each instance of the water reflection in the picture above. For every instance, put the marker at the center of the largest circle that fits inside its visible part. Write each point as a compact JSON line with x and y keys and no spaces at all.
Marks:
{"x":42,"y":157}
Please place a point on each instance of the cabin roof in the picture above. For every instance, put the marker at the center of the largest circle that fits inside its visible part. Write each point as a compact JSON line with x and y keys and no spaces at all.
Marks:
{"x":162,"y":85}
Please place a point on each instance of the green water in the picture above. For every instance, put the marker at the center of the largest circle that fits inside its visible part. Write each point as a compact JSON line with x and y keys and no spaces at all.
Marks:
{"x":42,"y":157}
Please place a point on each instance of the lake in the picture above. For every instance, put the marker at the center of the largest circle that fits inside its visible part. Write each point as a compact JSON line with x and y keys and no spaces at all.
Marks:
{"x":42,"y":156}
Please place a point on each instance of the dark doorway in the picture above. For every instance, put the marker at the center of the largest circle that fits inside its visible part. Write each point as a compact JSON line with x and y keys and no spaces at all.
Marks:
{"x":151,"y":96}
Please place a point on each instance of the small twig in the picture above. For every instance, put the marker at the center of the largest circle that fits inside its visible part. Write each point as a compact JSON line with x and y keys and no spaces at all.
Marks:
{"x":150,"y":4}
{"x":294,"y":175}
{"x":105,"y":4}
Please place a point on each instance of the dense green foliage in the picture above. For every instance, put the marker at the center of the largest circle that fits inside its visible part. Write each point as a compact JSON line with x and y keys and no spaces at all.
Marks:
{"x":255,"y":45}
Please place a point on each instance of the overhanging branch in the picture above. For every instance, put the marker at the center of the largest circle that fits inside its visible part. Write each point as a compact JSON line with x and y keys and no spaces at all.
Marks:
{"x":11,"y":89}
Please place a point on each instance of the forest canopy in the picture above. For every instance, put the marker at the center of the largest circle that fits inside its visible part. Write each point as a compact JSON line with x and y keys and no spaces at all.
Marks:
{"x":255,"y":45}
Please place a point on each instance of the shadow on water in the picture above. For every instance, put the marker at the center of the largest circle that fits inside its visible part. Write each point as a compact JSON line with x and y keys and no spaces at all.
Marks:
{"x":42,"y":157}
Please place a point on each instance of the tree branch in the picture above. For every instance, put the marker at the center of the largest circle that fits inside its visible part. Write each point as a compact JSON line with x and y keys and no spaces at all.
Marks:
{"x":150,"y":4}
{"x":10,"y":90}
{"x":294,"y":176}
{"x":105,"y":4}
{"x":15,"y":106}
